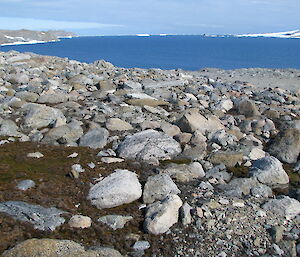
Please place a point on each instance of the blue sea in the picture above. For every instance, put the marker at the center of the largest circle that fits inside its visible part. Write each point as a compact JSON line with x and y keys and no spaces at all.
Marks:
{"x":175,"y":52}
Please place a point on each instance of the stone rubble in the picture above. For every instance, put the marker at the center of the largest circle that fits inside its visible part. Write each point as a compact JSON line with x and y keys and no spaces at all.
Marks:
{"x":217,"y":154}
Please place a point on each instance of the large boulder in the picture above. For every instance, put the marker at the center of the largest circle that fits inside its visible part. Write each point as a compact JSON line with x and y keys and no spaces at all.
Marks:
{"x":285,"y":206}
{"x":58,"y":248}
{"x":42,"y":218}
{"x":39,"y":116}
{"x":192,"y":120}
{"x":269,"y":171}
{"x":286,"y":146}
{"x":161,"y":215}
{"x":149,"y":145}
{"x":159,"y":187}
{"x":95,"y":138}
{"x":118,"y":188}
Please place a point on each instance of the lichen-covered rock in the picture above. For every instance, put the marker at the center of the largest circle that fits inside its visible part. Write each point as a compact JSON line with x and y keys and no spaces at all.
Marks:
{"x":149,"y":145}
{"x":57,"y":248}
{"x":42,"y":218}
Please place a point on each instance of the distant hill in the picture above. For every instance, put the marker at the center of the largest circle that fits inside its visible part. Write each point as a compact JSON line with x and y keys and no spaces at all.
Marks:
{"x":287,"y":34}
{"x":29,"y":36}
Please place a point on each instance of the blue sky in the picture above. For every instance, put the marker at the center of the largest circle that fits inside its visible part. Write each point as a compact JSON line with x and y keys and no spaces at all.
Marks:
{"x":121,"y":17}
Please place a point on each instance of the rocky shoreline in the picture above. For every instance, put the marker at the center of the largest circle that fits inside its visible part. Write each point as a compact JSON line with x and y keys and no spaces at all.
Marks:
{"x":97,"y":160}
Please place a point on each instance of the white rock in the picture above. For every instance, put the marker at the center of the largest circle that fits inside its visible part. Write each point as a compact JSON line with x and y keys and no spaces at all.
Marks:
{"x":35,"y":155}
{"x":160,"y":216}
{"x":119,"y":188}
{"x":80,"y":221}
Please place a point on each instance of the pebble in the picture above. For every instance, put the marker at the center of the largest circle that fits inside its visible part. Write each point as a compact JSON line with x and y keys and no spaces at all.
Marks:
{"x":35,"y":155}
{"x":25,"y":184}
{"x":79,"y":221}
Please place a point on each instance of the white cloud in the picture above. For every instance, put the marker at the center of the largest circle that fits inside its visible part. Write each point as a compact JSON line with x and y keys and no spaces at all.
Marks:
{"x":40,"y":24}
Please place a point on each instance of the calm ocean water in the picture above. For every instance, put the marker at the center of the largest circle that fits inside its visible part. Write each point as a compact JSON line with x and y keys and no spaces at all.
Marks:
{"x":172,"y":52}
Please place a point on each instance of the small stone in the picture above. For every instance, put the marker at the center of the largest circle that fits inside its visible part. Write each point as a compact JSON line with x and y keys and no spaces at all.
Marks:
{"x":35,"y":155}
{"x":199,"y":212}
{"x":277,"y":233}
{"x":76,"y":170}
{"x":25,"y":184}
{"x":111,"y":160}
{"x":115,"y":221}
{"x":210,"y":224}
{"x":73,"y":155}
{"x":185,"y":213}
{"x":238,"y":203}
{"x":141,"y":245}
{"x":223,"y":201}
{"x":277,"y":249}
{"x":79,"y":221}
{"x":91,"y":165}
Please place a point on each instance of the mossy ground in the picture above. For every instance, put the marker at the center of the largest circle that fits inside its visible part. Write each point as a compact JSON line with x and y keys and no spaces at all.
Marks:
{"x":56,"y":189}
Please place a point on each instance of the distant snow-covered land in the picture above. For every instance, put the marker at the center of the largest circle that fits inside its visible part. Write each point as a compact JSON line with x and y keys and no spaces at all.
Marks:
{"x":287,"y":34}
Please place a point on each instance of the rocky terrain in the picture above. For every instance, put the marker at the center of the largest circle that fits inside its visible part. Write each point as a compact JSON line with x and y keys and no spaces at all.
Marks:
{"x":31,"y":36}
{"x":97,"y":160}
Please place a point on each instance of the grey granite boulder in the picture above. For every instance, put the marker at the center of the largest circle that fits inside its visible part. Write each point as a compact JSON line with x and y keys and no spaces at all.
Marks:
{"x":161,"y":215}
{"x":159,"y":187}
{"x":58,"y":248}
{"x":285,"y":206}
{"x":42,"y":218}
{"x":269,"y":171}
{"x":95,"y":138}
{"x":192,"y":120}
{"x":118,"y":188}
{"x":149,"y":145}
{"x":66,"y":134}
{"x":39,"y":116}
{"x":286,"y":146}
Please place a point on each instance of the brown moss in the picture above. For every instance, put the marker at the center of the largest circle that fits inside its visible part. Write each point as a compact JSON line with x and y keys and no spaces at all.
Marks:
{"x":56,"y":189}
